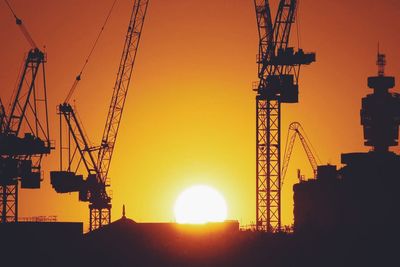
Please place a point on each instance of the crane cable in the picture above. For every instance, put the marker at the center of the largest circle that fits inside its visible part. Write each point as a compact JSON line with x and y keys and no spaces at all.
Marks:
{"x":28,"y":37}
{"x":78,"y":77}
{"x":12,"y":11}
{"x":24,"y":30}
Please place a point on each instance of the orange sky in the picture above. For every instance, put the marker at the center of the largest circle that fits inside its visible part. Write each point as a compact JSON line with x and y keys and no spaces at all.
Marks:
{"x":190,"y":112}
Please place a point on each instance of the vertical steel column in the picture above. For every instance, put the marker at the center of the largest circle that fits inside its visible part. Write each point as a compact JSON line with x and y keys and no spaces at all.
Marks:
{"x":268,"y":180}
{"x":99,"y":217}
{"x":261,"y":164}
{"x":274,"y":165}
{"x":9,"y":197}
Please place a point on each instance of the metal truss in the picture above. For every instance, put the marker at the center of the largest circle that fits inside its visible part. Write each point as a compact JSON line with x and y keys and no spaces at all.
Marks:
{"x":9,"y":197}
{"x":99,"y":217}
{"x":268,"y":151}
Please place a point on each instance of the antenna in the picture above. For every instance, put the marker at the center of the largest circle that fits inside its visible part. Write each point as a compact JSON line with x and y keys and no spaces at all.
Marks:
{"x":381,"y":63}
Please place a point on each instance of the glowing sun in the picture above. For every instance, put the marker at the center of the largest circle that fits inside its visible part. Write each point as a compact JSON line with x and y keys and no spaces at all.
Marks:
{"x":200,"y":204}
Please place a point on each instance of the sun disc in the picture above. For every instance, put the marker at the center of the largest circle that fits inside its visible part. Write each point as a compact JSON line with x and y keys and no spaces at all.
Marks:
{"x":200,"y":204}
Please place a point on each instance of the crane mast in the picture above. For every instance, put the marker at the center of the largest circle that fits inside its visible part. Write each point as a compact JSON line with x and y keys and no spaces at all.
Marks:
{"x":97,"y":159}
{"x":278,"y":73}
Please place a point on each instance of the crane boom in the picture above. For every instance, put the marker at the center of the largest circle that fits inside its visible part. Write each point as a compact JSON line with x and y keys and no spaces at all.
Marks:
{"x":121,"y":86}
{"x":283,"y":23}
{"x":295,"y":129}
{"x":309,"y":153}
{"x":265,"y":33}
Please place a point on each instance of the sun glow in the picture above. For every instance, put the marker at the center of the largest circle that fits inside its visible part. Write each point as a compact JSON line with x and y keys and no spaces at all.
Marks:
{"x":200,"y":204}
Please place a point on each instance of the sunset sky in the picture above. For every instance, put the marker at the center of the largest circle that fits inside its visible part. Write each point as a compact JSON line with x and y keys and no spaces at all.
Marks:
{"x":190,"y":113}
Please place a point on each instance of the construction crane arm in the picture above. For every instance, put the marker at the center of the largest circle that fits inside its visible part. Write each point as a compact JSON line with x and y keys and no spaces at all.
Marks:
{"x":283,"y":23}
{"x":291,"y":138}
{"x":275,"y":55}
{"x":94,"y":188}
{"x":295,"y":129}
{"x":121,"y":86}
{"x":265,"y":34}
{"x":307,"y":149}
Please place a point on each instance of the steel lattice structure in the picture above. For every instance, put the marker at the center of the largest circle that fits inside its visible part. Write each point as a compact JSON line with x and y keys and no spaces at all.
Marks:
{"x":268,"y":162}
{"x":9,"y":198}
{"x":278,"y":72}
{"x":295,"y":129}
{"x":24,"y":131}
{"x":24,"y":136}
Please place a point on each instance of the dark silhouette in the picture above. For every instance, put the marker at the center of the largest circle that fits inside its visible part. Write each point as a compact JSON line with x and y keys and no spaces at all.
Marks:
{"x":278,"y":72}
{"x":354,"y":210}
{"x":24,"y":131}
{"x":343,"y":217}
{"x":97,"y":159}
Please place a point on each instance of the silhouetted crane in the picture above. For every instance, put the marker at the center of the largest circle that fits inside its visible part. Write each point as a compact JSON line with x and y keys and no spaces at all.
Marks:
{"x":278,"y":73}
{"x":24,"y":136}
{"x":97,"y":159}
{"x":295,"y":129}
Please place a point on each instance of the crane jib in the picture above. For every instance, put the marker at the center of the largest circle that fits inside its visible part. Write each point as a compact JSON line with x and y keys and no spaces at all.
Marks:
{"x":93,"y":188}
{"x":121,"y":86}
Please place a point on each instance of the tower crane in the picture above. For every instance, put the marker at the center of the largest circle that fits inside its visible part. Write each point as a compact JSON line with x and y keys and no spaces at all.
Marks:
{"x":295,"y":129}
{"x":278,"y":73}
{"x":24,"y":135}
{"x":97,"y":159}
